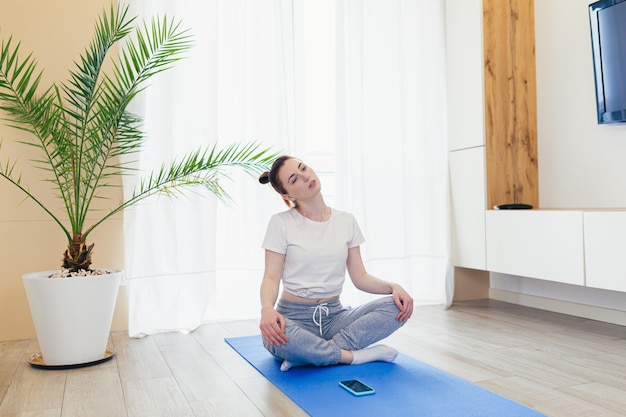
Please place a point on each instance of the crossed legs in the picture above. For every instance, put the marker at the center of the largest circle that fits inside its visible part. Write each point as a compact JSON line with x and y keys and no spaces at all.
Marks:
{"x":344,"y":336}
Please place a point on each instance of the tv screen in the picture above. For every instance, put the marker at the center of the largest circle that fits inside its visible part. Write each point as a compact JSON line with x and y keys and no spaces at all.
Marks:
{"x":608,"y":42}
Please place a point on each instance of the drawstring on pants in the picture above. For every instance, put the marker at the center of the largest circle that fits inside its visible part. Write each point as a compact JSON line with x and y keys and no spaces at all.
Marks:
{"x":319,"y":309}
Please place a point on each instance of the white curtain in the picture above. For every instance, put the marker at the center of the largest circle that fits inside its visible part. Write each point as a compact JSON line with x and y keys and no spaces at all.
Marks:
{"x":192,"y":260}
{"x":392,"y":138}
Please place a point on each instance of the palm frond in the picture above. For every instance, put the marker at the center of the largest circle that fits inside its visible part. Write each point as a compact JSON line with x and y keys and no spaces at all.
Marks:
{"x":203,"y":168}
{"x":112,"y":131}
{"x":7,"y":172}
{"x":26,"y":111}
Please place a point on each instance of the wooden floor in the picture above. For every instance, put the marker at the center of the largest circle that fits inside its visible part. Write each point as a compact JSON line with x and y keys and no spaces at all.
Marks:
{"x":559,"y":365}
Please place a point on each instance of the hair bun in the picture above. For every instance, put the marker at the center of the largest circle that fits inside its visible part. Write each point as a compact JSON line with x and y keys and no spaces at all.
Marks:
{"x":264,"y":178}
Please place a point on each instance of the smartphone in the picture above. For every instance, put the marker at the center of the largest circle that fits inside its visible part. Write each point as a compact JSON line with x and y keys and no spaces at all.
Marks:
{"x":356,"y":387}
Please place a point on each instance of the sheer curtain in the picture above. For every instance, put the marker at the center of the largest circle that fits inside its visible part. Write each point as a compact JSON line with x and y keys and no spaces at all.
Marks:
{"x":192,"y":260}
{"x":392,"y":140}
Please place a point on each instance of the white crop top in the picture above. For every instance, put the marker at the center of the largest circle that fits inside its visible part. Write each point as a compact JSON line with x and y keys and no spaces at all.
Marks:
{"x":315,"y":252}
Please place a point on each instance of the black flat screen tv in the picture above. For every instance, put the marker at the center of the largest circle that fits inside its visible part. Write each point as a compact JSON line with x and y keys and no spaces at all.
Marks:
{"x":608,"y":43}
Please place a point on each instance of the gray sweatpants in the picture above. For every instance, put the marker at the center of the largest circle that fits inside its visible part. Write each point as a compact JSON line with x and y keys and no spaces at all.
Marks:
{"x":310,"y":327}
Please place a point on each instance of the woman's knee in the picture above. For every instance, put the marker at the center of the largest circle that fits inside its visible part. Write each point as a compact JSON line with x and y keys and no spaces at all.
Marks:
{"x":268,"y":346}
{"x":386,"y":304}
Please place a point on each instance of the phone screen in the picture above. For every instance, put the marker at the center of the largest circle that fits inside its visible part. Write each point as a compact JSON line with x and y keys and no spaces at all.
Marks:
{"x":356,"y":387}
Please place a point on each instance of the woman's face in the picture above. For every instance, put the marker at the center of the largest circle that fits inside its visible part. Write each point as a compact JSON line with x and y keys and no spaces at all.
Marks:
{"x":299,"y":180}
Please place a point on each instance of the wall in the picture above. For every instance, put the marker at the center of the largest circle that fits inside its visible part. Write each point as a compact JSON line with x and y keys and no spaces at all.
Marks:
{"x":581,"y":164}
{"x":56,"y":32}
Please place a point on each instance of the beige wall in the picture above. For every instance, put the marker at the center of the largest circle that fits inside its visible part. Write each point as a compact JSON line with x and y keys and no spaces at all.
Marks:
{"x":56,"y":32}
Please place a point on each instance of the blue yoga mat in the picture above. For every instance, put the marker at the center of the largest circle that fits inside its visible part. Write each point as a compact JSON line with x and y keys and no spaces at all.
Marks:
{"x":405,"y":387}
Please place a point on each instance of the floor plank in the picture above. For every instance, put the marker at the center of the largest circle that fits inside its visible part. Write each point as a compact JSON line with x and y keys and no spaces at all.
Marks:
{"x":197,"y":373}
{"x":155,"y":397}
{"x":139,"y":358}
{"x":33,"y":390}
{"x":95,"y":392}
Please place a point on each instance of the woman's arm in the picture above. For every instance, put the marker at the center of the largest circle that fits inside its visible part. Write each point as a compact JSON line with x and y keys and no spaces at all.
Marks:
{"x":272,"y":323}
{"x":371,"y":284}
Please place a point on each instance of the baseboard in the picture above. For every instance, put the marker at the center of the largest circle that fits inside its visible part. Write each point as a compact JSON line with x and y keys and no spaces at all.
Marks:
{"x":559,"y":306}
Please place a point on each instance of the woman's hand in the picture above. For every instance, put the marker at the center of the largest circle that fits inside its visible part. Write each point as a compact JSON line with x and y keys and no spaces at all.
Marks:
{"x":404,"y":302}
{"x":273,"y":326}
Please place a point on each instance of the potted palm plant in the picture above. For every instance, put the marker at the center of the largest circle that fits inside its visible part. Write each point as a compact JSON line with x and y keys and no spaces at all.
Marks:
{"x":85,"y":134}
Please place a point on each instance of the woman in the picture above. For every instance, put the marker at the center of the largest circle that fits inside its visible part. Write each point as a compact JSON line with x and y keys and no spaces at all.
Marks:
{"x":308,"y":248}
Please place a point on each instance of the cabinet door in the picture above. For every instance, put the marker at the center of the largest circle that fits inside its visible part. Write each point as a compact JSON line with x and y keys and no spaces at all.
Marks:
{"x":467,"y":183}
{"x":605,"y":250}
{"x":538,"y":244}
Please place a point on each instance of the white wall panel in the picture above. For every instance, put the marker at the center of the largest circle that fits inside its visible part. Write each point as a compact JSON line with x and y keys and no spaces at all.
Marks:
{"x":468,"y":198}
{"x":464,"y":53}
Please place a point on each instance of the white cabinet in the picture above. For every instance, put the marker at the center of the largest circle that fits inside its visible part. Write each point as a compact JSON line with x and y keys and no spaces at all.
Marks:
{"x":605,"y":249}
{"x":468,"y":200}
{"x":540,"y":244}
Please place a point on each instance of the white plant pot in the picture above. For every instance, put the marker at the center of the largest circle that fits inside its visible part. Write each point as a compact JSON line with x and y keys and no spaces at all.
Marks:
{"x":72,"y":316}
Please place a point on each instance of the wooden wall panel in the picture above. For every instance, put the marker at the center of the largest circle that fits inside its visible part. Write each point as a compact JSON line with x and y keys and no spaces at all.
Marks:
{"x":510,"y":102}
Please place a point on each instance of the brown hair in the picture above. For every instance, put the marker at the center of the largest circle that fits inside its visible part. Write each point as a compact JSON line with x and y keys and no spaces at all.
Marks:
{"x":271,"y":176}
